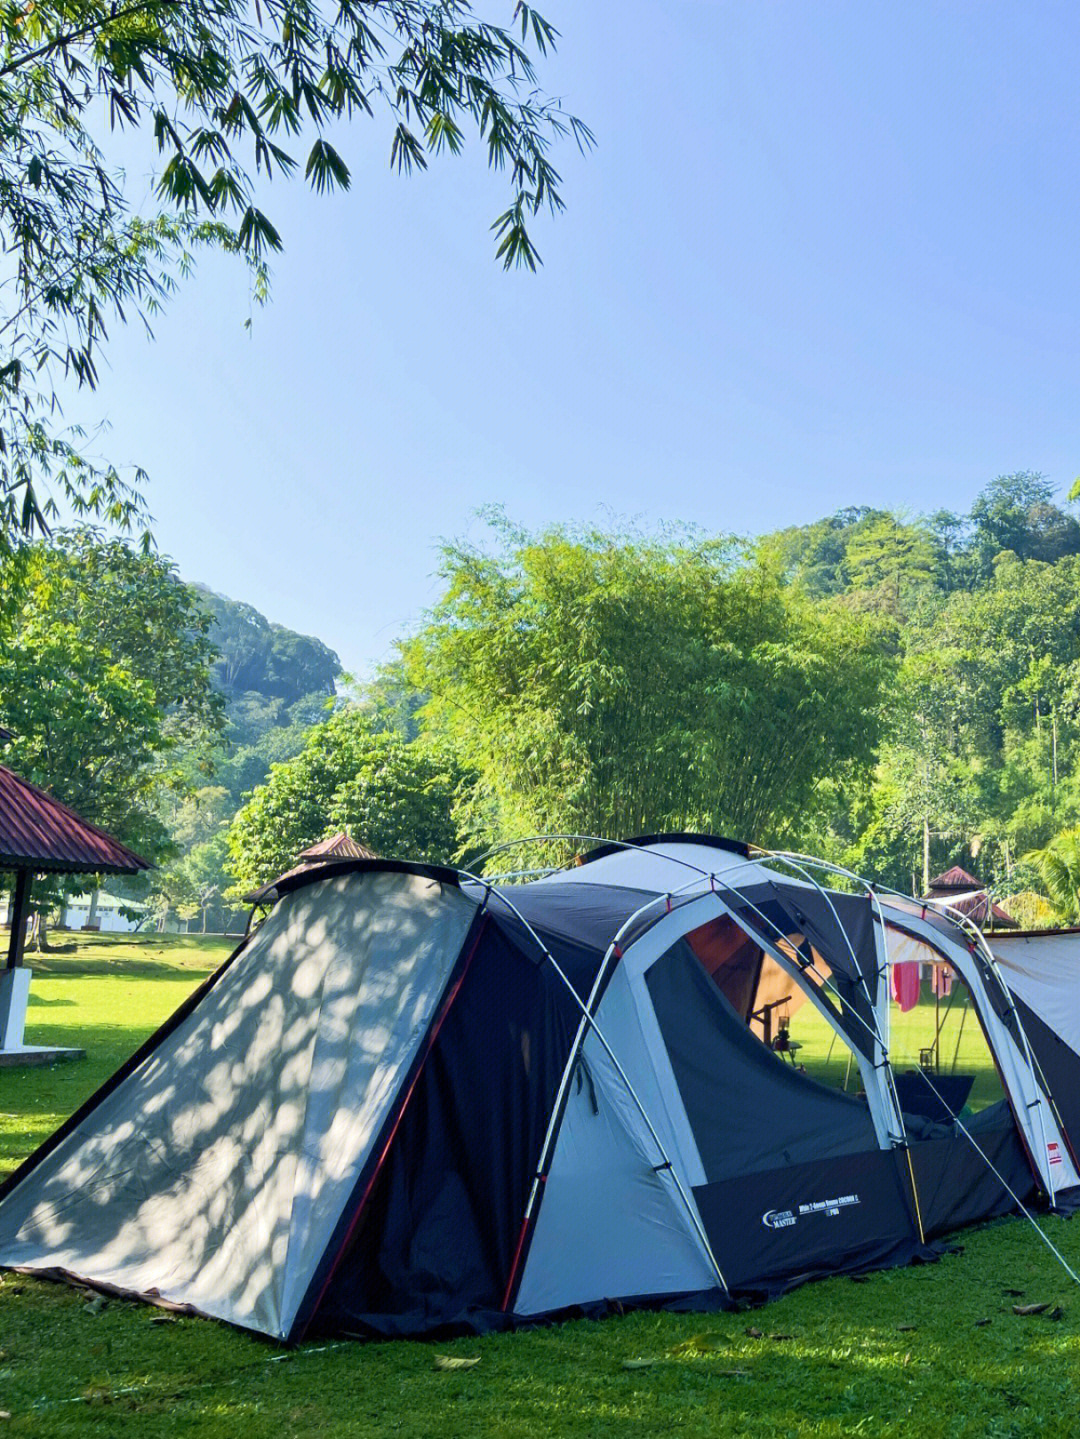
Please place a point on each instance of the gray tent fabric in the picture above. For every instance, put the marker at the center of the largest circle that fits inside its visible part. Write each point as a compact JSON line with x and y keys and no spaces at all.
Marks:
{"x":1044,"y":970}
{"x":607,"y":1211}
{"x":211,"y":1176}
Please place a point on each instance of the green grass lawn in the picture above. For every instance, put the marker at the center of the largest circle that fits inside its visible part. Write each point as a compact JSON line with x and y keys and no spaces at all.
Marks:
{"x":962,"y":1047}
{"x":904,"y":1353}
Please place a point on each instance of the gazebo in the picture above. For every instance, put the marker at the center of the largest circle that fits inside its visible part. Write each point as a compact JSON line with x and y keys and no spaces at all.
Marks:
{"x":962,"y":891}
{"x":325,"y":851}
{"x":39,"y":835}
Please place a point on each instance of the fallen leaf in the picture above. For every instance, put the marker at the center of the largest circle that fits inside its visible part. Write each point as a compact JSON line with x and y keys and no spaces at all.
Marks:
{"x":1014,"y":1293}
{"x":753,"y":1333}
{"x":164,"y":1319}
{"x":1031,"y":1308}
{"x":906,"y":1328}
{"x":639,"y":1363}
{"x":781,"y":1337}
{"x":907,"y":1358}
{"x":95,"y":1305}
{"x":699,"y":1344}
{"x":982,"y":1323}
{"x":454,"y":1361}
{"x":4,"y":1414}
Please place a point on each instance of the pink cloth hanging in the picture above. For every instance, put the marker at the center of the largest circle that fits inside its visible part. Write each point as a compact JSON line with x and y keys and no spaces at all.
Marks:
{"x":905,"y":984}
{"x":942,"y":981}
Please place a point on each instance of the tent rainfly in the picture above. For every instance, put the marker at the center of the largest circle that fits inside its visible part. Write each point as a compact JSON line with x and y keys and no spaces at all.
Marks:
{"x":413,"y":1101}
{"x":39,"y":835}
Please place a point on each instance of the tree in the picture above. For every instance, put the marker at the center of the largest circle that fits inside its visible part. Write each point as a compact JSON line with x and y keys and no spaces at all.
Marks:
{"x":892,"y":561}
{"x":1058,"y":868}
{"x":1016,"y":512}
{"x":104,"y":671}
{"x":222,"y":86}
{"x":616,"y":684}
{"x":397,"y":798}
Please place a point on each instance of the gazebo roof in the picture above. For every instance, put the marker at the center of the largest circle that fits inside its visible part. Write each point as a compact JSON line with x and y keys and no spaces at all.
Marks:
{"x":338,"y":846}
{"x":324,"y":851}
{"x":39,"y":833}
{"x":977,"y":905}
{"x":955,"y":878}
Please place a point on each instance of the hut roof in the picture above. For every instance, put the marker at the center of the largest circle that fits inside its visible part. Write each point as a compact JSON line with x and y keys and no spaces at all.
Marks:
{"x":338,"y":846}
{"x":40,"y":833}
{"x":978,"y":905}
{"x":955,"y":878}
{"x":325,"y":851}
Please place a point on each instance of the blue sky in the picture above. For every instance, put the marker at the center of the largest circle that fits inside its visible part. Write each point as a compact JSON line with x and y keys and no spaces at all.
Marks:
{"x":824,"y":254}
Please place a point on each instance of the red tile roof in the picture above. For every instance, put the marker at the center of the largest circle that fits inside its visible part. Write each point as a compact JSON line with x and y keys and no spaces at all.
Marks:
{"x":955,"y":878}
{"x":338,"y":846}
{"x":39,"y":833}
{"x":978,"y":905}
{"x":324,"y":851}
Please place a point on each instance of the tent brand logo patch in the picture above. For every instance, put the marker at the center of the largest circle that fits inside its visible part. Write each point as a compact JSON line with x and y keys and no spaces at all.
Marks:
{"x":785,"y":1218}
{"x":778,"y":1218}
{"x":1053,"y":1150}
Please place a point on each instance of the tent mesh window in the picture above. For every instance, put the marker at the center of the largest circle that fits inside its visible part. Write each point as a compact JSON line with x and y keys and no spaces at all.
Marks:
{"x":941,"y":1059}
{"x":773,"y":1005}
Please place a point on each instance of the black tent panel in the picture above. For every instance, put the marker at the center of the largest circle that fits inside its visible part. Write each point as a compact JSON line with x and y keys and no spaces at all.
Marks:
{"x":955,"y":1184}
{"x":1060,"y":1065}
{"x":799,"y":1221}
{"x":435,"y":1246}
{"x":748,"y":1109}
{"x":580,"y":919}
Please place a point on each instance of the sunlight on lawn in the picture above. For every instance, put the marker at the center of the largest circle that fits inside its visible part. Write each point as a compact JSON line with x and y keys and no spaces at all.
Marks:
{"x":962,"y":1047}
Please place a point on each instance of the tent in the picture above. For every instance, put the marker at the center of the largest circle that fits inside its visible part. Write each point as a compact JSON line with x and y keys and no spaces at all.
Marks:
{"x":414,"y":1101}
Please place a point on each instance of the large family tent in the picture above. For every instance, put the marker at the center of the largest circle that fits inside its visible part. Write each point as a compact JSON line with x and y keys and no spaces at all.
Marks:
{"x":413,"y":1101}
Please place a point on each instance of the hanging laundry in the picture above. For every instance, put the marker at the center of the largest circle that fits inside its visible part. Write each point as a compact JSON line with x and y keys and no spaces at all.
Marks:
{"x":941,"y":981}
{"x":905,"y":984}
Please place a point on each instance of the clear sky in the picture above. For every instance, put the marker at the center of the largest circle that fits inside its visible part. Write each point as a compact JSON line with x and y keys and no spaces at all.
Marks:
{"x":826,"y":253}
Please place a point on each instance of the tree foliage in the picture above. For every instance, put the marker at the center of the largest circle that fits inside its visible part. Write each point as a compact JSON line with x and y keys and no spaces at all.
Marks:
{"x":104,"y":673}
{"x":232,"y":94}
{"x":610,"y":684}
{"x":395,"y":797}
{"x":1058,"y":867}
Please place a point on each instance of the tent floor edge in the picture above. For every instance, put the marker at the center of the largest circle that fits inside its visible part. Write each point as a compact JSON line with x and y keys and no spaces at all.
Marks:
{"x":345,"y":1228}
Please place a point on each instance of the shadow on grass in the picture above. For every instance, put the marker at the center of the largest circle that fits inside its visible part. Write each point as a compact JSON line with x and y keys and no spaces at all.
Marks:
{"x":85,"y":967}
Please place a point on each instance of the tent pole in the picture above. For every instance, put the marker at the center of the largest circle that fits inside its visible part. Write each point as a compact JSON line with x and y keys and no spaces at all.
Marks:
{"x":590,"y":1021}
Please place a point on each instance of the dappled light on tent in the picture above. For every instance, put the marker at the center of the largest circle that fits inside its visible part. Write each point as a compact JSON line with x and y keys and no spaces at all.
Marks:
{"x":213,"y":1166}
